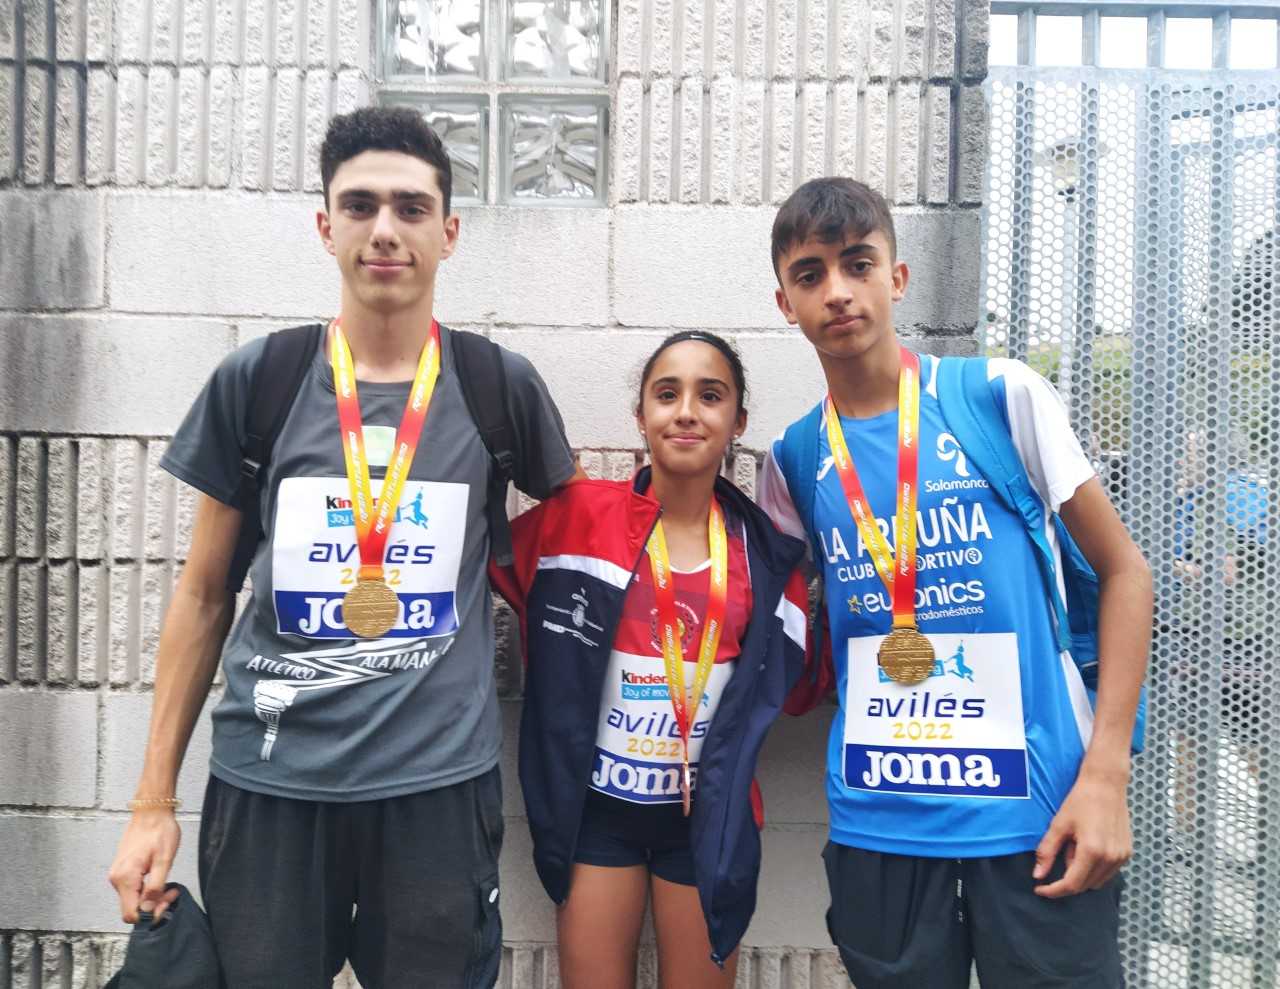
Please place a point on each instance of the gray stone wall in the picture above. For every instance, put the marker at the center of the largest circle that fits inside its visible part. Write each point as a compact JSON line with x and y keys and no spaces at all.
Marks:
{"x":157,"y":193}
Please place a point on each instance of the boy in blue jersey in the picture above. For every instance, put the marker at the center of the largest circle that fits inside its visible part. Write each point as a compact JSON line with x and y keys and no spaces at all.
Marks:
{"x":977,"y":802}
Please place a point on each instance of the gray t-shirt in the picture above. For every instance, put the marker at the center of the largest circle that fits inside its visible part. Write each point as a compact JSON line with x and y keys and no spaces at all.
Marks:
{"x":309,"y":712}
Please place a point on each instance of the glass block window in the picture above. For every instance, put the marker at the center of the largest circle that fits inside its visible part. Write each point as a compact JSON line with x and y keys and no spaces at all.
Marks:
{"x":434,"y":39}
{"x":553,"y":149}
{"x":516,"y":89}
{"x":554,"y":39}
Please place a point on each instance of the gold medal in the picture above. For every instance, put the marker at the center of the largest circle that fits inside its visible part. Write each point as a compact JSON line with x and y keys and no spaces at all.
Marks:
{"x":906,"y":655}
{"x":686,"y":789}
{"x":370,"y":609}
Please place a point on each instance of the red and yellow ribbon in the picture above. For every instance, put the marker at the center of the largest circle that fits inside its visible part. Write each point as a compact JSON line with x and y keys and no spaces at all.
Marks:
{"x":685,"y":705}
{"x":373,"y":519}
{"x":898,"y":573}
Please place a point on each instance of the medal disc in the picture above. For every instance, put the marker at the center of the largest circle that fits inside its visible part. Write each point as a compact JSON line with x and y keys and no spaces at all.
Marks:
{"x":906,"y":656}
{"x":370,"y":609}
{"x":686,"y":790}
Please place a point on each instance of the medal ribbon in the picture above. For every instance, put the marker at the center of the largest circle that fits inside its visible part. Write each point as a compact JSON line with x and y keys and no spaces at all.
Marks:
{"x":898,"y":575}
{"x":669,"y":626}
{"x":373,"y":521}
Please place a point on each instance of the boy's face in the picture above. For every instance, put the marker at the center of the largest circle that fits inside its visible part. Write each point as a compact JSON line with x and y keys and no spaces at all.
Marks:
{"x":386,"y":227}
{"x":841,"y":294}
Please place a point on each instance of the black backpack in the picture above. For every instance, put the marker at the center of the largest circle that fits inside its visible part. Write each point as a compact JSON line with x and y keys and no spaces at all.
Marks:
{"x":284,"y":363}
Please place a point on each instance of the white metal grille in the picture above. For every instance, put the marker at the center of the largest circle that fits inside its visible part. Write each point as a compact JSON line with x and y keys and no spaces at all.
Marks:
{"x":1131,"y":255}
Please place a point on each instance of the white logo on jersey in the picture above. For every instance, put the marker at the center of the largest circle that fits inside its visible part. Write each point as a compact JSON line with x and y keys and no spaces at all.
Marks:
{"x":934,"y":769}
{"x":826,"y":466}
{"x":577,"y":615}
{"x":949,"y":449}
{"x":320,"y":669}
{"x":644,"y":781}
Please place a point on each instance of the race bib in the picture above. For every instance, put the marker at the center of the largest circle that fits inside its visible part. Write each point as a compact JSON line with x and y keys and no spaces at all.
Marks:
{"x":638,"y":752}
{"x":315,"y":560}
{"x":958,"y":734}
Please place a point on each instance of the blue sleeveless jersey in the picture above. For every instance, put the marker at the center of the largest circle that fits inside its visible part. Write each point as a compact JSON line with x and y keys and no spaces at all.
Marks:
{"x":976,"y":760}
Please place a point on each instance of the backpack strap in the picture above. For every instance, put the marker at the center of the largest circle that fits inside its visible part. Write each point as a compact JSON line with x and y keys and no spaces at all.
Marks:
{"x":483,"y":377}
{"x":979,"y":426}
{"x":276,"y":382}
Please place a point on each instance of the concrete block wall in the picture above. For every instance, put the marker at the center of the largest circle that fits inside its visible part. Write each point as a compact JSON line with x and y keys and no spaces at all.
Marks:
{"x":176,"y":93}
{"x":157,"y":194}
{"x":738,"y":101}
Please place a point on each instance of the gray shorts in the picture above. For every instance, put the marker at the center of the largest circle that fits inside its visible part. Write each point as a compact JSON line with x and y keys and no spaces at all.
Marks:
{"x":405,"y":888}
{"x":906,"y":922}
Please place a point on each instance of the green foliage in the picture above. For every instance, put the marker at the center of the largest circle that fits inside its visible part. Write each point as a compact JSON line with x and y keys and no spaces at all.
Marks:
{"x":1240,"y":396}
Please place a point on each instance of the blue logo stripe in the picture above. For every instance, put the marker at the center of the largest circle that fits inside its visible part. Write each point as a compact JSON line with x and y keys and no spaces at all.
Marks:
{"x":635,"y":780}
{"x":318,"y":615}
{"x":938,"y":772}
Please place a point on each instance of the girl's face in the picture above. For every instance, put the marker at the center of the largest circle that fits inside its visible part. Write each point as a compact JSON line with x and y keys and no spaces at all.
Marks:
{"x":689,"y":408}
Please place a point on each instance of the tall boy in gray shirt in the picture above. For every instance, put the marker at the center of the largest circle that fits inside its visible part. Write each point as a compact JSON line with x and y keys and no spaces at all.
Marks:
{"x":355,"y":748}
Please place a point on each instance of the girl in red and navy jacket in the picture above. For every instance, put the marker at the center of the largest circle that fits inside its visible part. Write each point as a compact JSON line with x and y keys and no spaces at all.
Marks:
{"x":631,"y":594}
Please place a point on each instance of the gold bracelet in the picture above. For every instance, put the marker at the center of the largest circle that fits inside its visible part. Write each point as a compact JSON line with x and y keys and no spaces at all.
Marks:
{"x":149,"y":803}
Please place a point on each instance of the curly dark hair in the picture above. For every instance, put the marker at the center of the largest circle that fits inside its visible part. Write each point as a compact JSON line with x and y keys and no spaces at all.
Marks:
{"x":384,"y":128}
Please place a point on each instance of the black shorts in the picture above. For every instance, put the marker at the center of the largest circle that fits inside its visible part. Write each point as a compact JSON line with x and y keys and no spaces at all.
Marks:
{"x":618,"y":833}
{"x":282,"y":878}
{"x":907,"y":922}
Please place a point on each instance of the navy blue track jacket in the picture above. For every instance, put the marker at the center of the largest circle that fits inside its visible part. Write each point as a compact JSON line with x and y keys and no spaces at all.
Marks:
{"x":588,"y":539}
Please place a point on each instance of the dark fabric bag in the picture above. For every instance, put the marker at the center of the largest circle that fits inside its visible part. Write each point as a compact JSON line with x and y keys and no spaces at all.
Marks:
{"x":176,"y":952}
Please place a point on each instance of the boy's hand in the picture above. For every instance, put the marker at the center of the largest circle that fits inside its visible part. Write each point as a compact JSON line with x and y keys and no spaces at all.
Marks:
{"x":142,"y":864}
{"x":1093,"y":825}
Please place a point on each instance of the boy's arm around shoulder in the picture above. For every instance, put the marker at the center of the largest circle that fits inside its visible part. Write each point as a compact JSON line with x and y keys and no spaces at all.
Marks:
{"x":514,"y":581}
{"x":191,"y":637}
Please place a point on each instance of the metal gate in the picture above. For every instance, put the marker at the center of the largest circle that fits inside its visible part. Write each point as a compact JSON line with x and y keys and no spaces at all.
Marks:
{"x":1131,"y":255}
